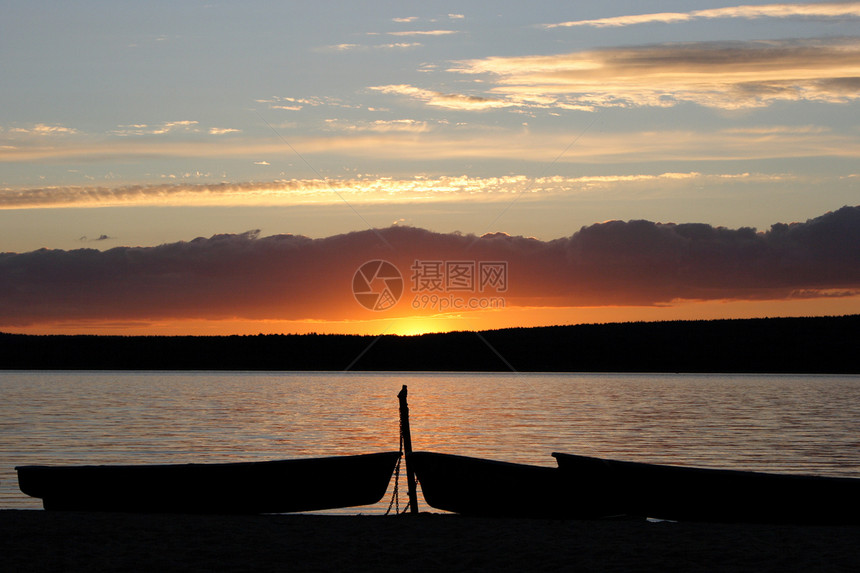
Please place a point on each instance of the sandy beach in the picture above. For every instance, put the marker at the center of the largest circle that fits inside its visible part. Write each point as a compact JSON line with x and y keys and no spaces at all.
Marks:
{"x":37,"y":541}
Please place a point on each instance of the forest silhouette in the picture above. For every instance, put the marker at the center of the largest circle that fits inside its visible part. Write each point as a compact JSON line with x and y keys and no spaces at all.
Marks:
{"x":778,"y":345}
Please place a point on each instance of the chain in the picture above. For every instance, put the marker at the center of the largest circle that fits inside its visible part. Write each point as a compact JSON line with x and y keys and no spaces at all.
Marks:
{"x":395,"y":498}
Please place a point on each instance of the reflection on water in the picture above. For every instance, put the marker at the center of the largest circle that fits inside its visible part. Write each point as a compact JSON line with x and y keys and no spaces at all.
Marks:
{"x":802,"y":424}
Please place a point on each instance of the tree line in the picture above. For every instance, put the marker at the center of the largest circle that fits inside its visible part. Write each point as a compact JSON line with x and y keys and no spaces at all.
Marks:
{"x":779,"y":345}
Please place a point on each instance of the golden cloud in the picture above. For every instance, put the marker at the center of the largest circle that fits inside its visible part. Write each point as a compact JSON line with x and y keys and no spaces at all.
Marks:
{"x":353,"y":191}
{"x":222,"y":130}
{"x":399,"y":140}
{"x":138,"y":129}
{"x":44,"y":129}
{"x":727,"y":75}
{"x":439,"y":99}
{"x":821,"y":10}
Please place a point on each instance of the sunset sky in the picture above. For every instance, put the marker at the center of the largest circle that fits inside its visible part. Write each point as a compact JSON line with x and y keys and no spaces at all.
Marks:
{"x":229,"y":167}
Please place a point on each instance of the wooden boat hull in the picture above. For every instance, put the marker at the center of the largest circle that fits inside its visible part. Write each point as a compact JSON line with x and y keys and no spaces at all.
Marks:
{"x":247,"y":487}
{"x":699,"y":494}
{"x":490,"y":488}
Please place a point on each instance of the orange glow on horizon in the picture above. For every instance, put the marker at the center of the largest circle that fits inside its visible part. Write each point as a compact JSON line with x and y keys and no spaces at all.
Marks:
{"x":477,"y":320}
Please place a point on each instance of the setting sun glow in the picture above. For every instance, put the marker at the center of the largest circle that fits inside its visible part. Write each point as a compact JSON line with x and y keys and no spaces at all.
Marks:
{"x":519,"y":165}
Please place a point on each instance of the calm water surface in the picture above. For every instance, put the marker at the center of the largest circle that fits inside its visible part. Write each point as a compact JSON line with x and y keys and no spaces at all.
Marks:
{"x":800,"y":424}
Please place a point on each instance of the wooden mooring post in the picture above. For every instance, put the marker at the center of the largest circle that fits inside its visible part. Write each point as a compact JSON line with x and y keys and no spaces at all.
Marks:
{"x":406,"y":435}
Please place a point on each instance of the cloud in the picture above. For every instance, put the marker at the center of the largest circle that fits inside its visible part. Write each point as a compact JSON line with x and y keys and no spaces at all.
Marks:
{"x":44,"y":129}
{"x":85,"y":239}
{"x":618,"y":21}
{"x":680,"y":145}
{"x":406,"y":19}
{"x":423,"y":33}
{"x":727,"y":75}
{"x":287,"y":277}
{"x":296,"y":103}
{"x":158,"y":129}
{"x":398,"y":45}
{"x":439,"y":99}
{"x":380,"y":126}
{"x":390,"y":46}
{"x":779,"y":130}
{"x":369,"y":189}
{"x":454,"y":141}
{"x":358,"y":190}
{"x":222,"y":130}
{"x":171,"y":125}
{"x":818,"y":10}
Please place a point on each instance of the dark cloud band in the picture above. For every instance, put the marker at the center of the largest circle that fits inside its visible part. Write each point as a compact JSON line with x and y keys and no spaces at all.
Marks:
{"x":287,"y":277}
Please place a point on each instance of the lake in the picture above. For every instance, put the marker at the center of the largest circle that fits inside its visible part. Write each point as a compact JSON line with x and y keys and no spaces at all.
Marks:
{"x":778,"y":423}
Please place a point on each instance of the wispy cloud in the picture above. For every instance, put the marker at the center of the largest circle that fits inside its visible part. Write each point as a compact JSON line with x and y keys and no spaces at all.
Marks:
{"x":365,"y":47}
{"x":44,"y":129}
{"x":779,"y":130}
{"x":398,"y":46}
{"x":727,"y":75}
{"x":380,"y":126}
{"x":367,"y":189}
{"x":442,"y":141}
{"x":313,"y":101}
{"x":134,"y":129}
{"x":171,"y":125}
{"x":157,"y":129}
{"x":298,"y":103}
{"x":222,"y":130}
{"x":344,"y":47}
{"x":100,"y":238}
{"x":286,"y":277}
{"x":808,"y":10}
{"x":439,"y":99}
{"x":423,"y":33}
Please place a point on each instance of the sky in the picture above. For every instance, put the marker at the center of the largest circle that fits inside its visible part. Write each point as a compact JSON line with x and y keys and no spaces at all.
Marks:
{"x":405,"y":167}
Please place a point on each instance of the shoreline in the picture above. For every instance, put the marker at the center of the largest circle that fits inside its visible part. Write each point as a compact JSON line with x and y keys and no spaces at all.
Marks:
{"x":40,"y":541}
